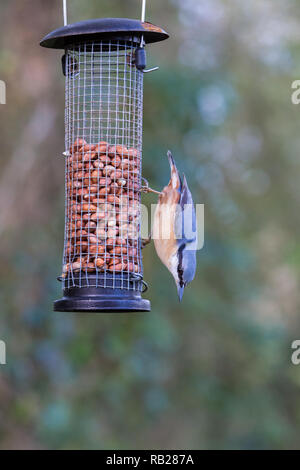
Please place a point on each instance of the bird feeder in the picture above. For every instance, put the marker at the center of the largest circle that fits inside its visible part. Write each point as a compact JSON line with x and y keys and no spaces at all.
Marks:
{"x":104,"y":64}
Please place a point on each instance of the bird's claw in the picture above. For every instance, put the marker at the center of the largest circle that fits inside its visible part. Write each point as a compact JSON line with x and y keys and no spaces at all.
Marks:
{"x":147,"y":189}
{"x":146,"y":241}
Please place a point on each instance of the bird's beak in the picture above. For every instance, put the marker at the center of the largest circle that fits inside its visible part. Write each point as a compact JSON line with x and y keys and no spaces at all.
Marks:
{"x":180,"y":290}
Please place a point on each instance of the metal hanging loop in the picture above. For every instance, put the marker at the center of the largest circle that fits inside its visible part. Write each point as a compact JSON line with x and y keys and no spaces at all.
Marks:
{"x":140,"y":53}
{"x":65,"y":12}
{"x":143,"y":16}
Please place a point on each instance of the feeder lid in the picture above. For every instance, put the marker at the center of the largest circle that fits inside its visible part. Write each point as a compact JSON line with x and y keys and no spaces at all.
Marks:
{"x":100,"y":29}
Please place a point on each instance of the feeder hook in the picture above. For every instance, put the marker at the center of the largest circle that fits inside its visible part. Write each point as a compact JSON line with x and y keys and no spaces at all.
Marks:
{"x":140,"y":59}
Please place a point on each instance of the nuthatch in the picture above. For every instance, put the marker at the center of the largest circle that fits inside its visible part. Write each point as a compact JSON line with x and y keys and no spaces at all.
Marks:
{"x":175,"y":231}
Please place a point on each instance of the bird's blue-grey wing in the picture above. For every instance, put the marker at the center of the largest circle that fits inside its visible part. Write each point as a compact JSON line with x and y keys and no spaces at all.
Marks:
{"x":185,"y":220}
{"x":188,"y":242}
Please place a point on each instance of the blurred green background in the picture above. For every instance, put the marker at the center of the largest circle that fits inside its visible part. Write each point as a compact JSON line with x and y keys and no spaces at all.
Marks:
{"x":214,"y":372}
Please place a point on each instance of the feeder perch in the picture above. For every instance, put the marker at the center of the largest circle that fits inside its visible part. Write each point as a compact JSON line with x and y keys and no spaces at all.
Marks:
{"x":104,"y":63}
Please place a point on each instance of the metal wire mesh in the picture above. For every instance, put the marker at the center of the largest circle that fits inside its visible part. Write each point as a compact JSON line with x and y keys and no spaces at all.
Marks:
{"x":104,"y":105}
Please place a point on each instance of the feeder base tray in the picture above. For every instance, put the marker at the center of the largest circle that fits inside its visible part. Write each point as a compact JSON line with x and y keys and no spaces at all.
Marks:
{"x":92,"y":299}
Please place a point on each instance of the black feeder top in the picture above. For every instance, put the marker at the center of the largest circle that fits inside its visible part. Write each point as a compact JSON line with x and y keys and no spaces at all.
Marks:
{"x":103,"y":29}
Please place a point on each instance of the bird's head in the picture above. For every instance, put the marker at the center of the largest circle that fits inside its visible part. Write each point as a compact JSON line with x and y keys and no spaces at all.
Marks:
{"x":173,"y":266}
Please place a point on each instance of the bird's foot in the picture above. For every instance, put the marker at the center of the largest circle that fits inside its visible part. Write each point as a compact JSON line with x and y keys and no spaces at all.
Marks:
{"x":147,"y":189}
{"x":146,"y":241}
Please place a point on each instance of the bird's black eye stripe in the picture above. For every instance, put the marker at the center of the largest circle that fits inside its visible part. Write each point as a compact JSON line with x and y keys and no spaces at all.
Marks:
{"x":179,"y":267}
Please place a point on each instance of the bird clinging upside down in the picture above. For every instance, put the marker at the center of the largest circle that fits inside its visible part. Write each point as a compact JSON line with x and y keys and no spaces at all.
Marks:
{"x":175,"y":231}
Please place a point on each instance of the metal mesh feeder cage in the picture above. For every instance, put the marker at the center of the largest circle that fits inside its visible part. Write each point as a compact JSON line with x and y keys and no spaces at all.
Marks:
{"x":103,"y":64}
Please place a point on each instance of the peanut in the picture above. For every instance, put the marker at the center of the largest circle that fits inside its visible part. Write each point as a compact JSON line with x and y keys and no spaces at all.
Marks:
{"x":82,"y":247}
{"x":116,"y":161}
{"x":114,"y":261}
{"x":120,"y":250}
{"x":104,"y":182}
{"x":98,"y":215}
{"x":99,"y":263}
{"x":76,"y":208}
{"x":112,"y":222}
{"x":93,"y":189}
{"x":104,"y":159}
{"x":88,"y":148}
{"x":99,"y":201}
{"x":122,"y":182}
{"x":89,"y":156}
{"x":114,"y":188}
{"x":112,"y":232}
{"x":120,"y":149}
{"x":95,"y":175}
{"x":77,"y":165}
{"x":75,"y":217}
{"x":101,"y":147}
{"x":132,"y":267}
{"x":77,"y":175}
{"x":81,"y":192}
{"x":115,"y":174}
{"x":76,"y":266}
{"x":90,"y":226}
{"x":132,"y":252}
{"x":118,"y":267}
{"x":121,"y":241}
{"x":98,"y":164}
{"x":113,"y":199}
{"x":97,"y":249}
{"x":101,"y":232}
{"x":90,"y":267}
{"x":77,"y":157}
{"x":79,"y":234}
{"x":122,"y":217}
{"x":66,"y":268}
{"x":107,"y":170}
{"x":125,"y":164}
{"x":75,"y":184}
{"x":93,"y":239}
{"x":132,"y":153}
{"x":89,"y":208}
{"x":77,"y":145}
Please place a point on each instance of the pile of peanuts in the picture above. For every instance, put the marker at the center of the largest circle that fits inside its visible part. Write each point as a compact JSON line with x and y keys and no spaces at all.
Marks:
{"x":103,"y":208}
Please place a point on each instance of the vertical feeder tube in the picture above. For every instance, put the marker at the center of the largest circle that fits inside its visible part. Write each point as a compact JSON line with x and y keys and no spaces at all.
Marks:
{"x":104,"y":102}
{"x":102,"y":262}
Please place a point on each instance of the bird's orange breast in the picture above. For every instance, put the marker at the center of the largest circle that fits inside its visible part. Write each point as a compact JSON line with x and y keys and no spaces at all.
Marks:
{"x":164,"y":225}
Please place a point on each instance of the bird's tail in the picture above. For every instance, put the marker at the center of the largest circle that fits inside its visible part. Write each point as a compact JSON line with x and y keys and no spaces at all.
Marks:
{"x":175,"y":177}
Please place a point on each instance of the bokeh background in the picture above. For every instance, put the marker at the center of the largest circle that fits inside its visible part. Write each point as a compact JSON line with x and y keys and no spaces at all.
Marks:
{"x":214,"y":372}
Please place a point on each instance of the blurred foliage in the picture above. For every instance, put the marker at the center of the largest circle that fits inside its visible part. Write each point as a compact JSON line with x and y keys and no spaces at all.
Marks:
{"x":215,"y":371}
